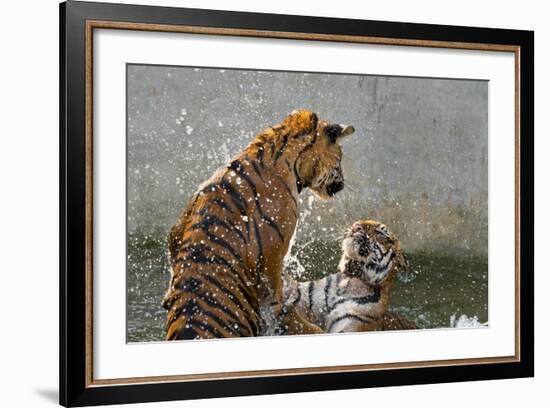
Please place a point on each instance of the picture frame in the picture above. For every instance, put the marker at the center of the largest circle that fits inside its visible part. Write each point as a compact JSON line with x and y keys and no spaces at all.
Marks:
{"x":78,"y":23}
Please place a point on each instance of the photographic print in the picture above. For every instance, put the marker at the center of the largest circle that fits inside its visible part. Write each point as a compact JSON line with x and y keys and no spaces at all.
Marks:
{"x":261,"y":189}
{"x":263,"y":203}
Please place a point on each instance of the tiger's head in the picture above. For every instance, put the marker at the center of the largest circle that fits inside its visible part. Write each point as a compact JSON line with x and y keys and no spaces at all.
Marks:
{"x":370,"y":252}
{"x":319,"y":154}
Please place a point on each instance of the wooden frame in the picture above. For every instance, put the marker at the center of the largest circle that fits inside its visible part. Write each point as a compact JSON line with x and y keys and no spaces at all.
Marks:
{"x":77,"y":22}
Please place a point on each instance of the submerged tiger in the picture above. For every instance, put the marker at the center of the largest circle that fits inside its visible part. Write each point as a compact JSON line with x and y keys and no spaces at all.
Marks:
{"x":355,"y":298}
{"x":226,"y":250}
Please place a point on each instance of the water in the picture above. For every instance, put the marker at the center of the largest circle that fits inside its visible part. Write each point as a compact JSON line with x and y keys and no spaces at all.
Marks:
{"x":147,"y":277}
{"x":439,"y":290}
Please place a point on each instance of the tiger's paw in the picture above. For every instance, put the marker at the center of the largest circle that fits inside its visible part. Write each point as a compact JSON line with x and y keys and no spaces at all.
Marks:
{"x":294,"y":323}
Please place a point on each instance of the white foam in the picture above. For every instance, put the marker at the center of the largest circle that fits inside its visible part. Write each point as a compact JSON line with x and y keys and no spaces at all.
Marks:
{"x":465,"y":321}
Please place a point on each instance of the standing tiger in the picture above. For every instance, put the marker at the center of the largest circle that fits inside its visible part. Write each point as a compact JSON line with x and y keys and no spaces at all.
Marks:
{"x":227,"y":248}
{"x":357,"y":297}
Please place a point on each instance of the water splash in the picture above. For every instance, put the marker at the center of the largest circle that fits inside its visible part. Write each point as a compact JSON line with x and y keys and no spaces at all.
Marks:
{"x":464,"y":321}
{"x":292,"y":264}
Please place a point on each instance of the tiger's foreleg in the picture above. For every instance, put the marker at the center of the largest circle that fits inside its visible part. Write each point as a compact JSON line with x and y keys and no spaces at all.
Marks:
{"x":290,"y":320}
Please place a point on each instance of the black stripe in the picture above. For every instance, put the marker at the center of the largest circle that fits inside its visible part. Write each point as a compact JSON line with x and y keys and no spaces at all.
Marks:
{"x":191,"y":309}
{"x":209,"y":220}
{"x":214,"y":282}
{"x":327,"y":289}
{"x":314,"y":123}
{"x":276,"y":175}
{"x":347,"y":316}
{"x":260,"y":156}
{"x":299,"y":183}
{"x":198,"y":257}
{"x":239,"y":169}
{"x":243,"y":286}
{"x":179,"y":246}
{"x":235,"y":300}
{"x":206,"y":327}
{"x":188,"y":333}
{"x":272,"y":147}
{"x":192,"y":285}
{"x":281,"y":180}
{"x":223,"y":243}
{"x":314,"y":139}
{"x":209,"y":188}
{"x":310,"y":294}
{"x":188,"y":309}
{"x":195,"y":198}
{"x":259,"y":242}
{"x":381,"y":267}
{"x":237,"y":199}
{"x":225,"y":187}
{"x":257,"y":170}
{"x":229,"y":326}
{"x":362,"y":300}
{"x":222,"y":204}
{"x":288,"y":165}
{"x":298,"y":179}
{"x":235,"y":196}
{"x":299,"y":296}
{"x":273,"y":225}
{"x":281,"y":149}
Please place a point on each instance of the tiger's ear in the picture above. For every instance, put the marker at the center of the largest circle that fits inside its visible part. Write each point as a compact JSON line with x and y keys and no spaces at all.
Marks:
{"x":336,"y":132}
{"x":301,"y":122}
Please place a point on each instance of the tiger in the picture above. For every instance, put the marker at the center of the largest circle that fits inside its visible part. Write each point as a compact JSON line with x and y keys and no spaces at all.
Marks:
{"x":226,"y":249}
{"x":356,"y":298}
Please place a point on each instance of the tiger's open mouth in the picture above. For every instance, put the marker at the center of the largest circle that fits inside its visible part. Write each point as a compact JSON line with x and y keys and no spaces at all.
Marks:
{"x":358,"y":246}
{"x":363,"y":256}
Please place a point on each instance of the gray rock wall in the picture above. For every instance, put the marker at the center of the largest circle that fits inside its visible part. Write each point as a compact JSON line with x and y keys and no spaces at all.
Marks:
{"x":418,"y":160}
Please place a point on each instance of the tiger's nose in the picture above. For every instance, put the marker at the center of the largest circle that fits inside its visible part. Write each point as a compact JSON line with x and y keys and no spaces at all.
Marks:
{"x":335,"y":187}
